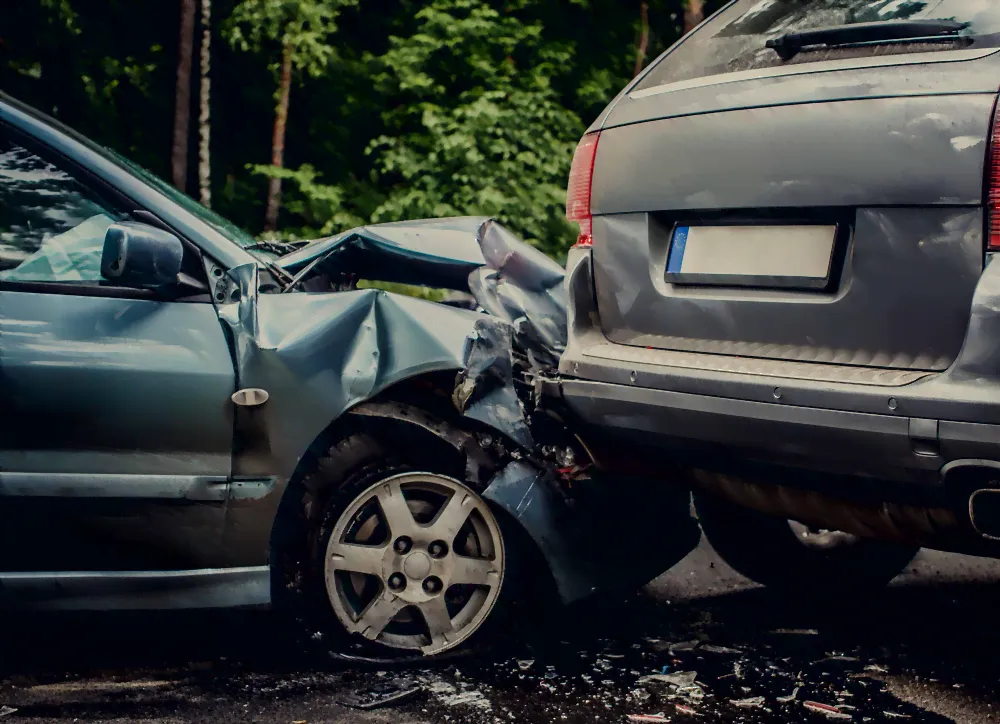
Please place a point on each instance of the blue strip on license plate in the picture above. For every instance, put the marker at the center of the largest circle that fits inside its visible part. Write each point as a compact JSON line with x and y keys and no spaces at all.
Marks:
{"x":676,"y":258}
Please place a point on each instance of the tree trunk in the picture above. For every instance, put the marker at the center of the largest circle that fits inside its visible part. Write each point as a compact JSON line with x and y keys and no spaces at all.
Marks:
{"x":182,"y":97}
{"x":204,"y":115}
{"x":694,"y":13}
{"x":643,"y":45}
{"x":278,"y":140}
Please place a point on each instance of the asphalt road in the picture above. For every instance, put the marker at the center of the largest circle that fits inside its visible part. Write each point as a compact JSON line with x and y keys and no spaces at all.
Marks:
{"x":925,"y":650}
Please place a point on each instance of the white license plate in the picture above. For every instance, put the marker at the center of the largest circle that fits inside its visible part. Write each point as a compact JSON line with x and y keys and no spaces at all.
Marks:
{"x":764,"y":256}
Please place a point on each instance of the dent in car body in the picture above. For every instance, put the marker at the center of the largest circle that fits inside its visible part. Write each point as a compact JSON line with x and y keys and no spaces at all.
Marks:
{"x":509,"y":279}
{"x":318,"y":355}
{"x":658,"y":533}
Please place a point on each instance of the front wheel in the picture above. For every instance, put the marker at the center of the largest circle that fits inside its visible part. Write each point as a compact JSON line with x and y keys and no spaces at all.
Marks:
{"x":403,"y":557}
{"x":791,"y":557}
{"x":414,"y":561}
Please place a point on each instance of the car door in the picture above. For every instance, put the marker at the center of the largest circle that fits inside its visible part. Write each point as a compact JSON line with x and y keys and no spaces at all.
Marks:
{"x":115,"y":413}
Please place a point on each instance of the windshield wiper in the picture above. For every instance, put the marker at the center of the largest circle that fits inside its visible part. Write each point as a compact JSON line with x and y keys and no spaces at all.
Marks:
{"x":790,"y":44}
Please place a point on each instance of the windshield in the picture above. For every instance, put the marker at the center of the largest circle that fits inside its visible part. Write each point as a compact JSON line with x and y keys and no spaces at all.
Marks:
{"x":735,"y":39}
{"x":220,"y":224}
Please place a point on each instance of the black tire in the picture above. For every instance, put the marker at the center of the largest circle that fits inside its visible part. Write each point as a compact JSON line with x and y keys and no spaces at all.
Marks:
{"x":768,"y":550}
{"x":332,"y":480}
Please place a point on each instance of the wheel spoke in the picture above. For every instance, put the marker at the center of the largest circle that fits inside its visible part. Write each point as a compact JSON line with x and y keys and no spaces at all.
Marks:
{"x":438,"y":620}
{"x":397,"y":513}
{"x":379,"y":614}
{"x":452,"y":516}
{"x":476,"y":571}
{"x":357,"y":558}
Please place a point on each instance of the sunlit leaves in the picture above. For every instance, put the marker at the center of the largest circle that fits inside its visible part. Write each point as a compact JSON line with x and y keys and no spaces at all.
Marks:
{"x":304,"y":27}
{"x":476,"y":127}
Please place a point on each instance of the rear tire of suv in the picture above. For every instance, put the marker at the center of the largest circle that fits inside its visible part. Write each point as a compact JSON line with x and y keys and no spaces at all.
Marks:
{"x":784,"y":555}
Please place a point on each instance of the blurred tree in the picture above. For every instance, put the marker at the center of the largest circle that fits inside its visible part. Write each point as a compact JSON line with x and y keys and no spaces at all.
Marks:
{"x":182,"y":102}
{"x":694,"y":13}
{"x":302,"y":29}
{"x":205,"y":107}
{"x":642,"y":47}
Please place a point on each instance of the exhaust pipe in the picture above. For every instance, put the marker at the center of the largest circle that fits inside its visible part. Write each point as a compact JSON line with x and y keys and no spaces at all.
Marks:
{"x":980,"y":480}
{"x":984,"y":512}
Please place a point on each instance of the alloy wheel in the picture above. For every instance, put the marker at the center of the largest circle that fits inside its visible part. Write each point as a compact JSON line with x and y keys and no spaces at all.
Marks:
{"x":416,"y":561}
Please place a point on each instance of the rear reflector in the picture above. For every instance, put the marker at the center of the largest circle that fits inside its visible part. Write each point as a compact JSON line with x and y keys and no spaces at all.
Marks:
{"x":581,"y":174}
{"x":993,"y":190}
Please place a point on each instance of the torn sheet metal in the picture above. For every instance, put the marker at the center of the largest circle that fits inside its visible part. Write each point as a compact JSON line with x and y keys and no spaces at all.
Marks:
{"x":485,"y":388}
{"x":427,"y":252}
{"x":522,"y":286}
{"x":585,"y":544}
{"x":317,"y":355}
{"x":509,"y":279}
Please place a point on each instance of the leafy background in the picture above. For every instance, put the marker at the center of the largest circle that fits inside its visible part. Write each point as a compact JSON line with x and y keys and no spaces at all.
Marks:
{"x":398,"y":108}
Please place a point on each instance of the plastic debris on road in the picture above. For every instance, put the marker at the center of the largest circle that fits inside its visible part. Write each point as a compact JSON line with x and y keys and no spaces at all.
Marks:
{"x":830,"y":712}
{"x":713,"y":649}
{"x":753,"y":702}
{"x":678,"y":678}
{"x":648,"y":717}
{"x":791,"y":697}
{"x":685,"y":646}
{"x":681,"y":683}
{"x":7,"y":710}
{"x":381,"y":694}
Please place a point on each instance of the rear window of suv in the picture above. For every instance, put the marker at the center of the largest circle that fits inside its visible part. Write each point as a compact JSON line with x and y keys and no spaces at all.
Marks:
{"x":735,"y":38}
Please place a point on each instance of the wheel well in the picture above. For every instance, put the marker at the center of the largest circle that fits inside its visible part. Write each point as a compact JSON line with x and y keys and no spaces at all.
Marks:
{"x":419,"y":414}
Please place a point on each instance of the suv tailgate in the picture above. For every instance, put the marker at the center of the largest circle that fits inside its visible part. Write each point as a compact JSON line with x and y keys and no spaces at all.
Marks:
{"x":887,"y":152}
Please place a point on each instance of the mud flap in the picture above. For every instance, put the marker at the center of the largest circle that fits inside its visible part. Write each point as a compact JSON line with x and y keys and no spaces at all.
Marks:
{"x":615,"y":534}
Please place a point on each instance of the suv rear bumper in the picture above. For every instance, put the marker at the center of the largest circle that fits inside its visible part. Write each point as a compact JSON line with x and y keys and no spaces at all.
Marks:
{"x":713,"y":431}
{"x":892,"y":427}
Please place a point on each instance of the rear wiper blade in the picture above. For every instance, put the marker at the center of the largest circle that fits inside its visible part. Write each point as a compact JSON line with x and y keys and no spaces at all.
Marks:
{"x":790,"y":44}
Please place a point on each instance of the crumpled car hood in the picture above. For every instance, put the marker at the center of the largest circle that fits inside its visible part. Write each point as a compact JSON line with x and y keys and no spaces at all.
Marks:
{"x":508,"y":278}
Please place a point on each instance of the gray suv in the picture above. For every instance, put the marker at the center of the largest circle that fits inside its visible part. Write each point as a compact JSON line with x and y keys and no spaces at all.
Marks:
{"x":783,"y":286}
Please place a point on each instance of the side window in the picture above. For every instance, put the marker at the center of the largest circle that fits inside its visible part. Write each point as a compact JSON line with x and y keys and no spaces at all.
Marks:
{"x":51,"y":227}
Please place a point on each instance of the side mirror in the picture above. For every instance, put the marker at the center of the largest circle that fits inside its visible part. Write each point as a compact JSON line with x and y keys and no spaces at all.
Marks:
{"x":139,"y":255}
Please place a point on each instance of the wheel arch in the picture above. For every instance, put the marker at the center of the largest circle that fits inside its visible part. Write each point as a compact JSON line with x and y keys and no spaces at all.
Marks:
{"x":419,"y":410}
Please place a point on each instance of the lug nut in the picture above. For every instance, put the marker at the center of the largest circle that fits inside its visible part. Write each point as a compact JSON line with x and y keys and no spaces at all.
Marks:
{"x":438,"y":549}
{"x":397,"y":581}
{"x":402,"y":545}
{"x":432,"y":584}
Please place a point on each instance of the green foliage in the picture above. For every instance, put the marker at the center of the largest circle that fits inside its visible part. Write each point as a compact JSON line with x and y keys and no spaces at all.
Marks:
{"x":429,"y":293}
{"x":408,"y":108}
{"x":476,"y":126}
{"x":302,"y":27}
{"x":321,"y":208}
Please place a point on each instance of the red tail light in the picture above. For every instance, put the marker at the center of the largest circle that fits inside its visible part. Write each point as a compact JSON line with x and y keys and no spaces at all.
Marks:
{"x":993,"y":188}
{"x":581,"y":174}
